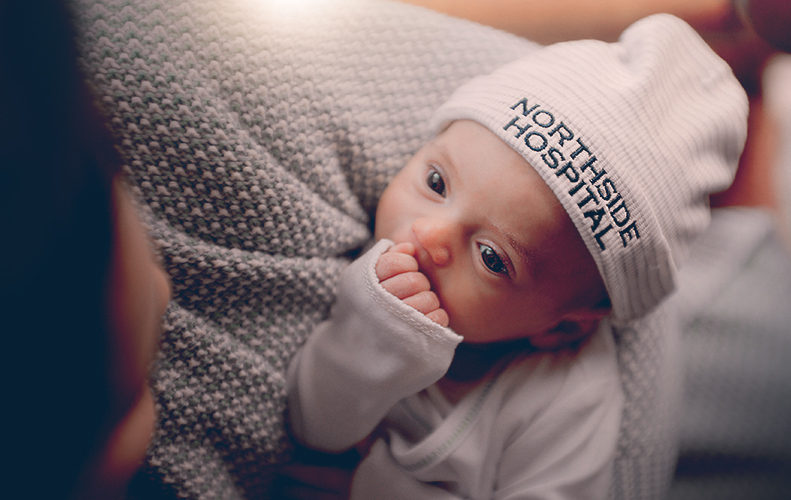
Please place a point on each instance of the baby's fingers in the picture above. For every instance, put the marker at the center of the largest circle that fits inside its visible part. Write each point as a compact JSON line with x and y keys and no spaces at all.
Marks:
{"x":393,"y":263}
{"x":424,"y":302}
{"x":428,"y":304}
{"x":439,"y":316}
{"x":405,"y":247}
{"x":406,"y":284}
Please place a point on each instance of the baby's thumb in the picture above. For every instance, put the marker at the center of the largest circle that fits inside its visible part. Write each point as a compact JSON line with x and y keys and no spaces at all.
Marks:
{"x":406,"y":248}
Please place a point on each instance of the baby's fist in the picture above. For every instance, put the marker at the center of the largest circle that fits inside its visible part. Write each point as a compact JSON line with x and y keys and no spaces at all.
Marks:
{"x":397,"y":270}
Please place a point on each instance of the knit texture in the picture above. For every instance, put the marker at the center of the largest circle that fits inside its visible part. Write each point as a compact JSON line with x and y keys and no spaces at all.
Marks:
{"x":257,"y":137}
{"x":631,"y":136}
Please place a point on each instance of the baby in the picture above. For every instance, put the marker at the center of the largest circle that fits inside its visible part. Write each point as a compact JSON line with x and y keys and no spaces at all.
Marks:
{"x":470,"y":353}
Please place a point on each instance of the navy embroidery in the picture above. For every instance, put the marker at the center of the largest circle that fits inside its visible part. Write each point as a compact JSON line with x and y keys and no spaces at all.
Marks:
{"x":567,"y":155}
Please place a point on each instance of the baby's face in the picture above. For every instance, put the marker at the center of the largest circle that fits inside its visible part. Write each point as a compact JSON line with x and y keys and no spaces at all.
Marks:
{"x":499,"y":250}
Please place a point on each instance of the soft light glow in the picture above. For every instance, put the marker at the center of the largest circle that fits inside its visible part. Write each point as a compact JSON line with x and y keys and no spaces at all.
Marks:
{"x":287,"y":11}
{"x":296,"y":4}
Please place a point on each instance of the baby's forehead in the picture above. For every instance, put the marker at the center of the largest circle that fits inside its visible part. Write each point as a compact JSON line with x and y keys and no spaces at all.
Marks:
{"x":479,"y":160}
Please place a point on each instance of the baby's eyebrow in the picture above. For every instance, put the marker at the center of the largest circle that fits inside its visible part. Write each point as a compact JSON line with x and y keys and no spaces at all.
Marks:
{"x":524,"y":254}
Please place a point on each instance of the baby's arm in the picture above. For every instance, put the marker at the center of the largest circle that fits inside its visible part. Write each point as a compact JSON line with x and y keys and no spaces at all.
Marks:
{"x":374,"y":350}
{"x":398,"y":273}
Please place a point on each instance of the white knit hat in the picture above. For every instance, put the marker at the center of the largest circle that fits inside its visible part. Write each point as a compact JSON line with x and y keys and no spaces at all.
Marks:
{"x":631,"y":136}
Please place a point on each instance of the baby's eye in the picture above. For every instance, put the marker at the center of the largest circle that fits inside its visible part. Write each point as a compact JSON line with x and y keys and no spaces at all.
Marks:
{"x":435,"y":182}
{"x":492,"y":261}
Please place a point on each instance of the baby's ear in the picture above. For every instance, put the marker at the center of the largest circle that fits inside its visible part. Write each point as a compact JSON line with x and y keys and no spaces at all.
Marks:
{"x":574,"y":327}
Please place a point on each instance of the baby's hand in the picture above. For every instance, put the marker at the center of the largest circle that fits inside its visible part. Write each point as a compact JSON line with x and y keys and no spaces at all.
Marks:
{"x":398,"y":273}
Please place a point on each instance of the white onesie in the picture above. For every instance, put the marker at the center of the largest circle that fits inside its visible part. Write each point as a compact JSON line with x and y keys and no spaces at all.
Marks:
{"x":541,"y":426}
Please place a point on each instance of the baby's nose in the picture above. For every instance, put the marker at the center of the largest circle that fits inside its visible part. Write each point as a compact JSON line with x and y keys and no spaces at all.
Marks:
{"x":435,"y":236}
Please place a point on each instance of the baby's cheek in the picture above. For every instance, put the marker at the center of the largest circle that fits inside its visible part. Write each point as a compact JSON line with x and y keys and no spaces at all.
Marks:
{"x":462,"y":305}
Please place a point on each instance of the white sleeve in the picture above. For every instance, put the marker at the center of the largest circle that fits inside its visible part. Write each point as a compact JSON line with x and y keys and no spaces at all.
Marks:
{"x":372,"y":352}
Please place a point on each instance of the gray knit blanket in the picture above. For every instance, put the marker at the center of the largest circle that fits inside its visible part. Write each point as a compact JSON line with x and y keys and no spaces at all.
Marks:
{"x":257,"y":137}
